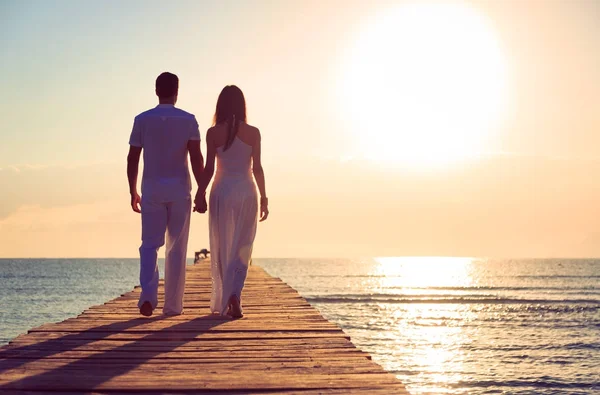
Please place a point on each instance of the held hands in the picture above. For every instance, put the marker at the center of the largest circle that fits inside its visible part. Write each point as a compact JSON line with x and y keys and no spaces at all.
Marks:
{"x":136,"y":202}
{"x":264,"y":208}
{"x":200,"y":204}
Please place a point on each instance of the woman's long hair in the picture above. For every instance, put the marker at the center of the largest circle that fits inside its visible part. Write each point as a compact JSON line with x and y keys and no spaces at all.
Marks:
{"x":231,"y":108}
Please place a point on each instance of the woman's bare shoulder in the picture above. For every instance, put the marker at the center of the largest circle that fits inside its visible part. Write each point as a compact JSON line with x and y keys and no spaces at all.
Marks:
{"x":214,"y":130}
{"x":249,"y":127}
{"x":252,"y":131}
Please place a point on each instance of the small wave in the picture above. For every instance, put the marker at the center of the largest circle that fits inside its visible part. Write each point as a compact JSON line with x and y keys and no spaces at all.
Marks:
{"x":550,"y":276}
{"x":384,"y":275}
{"x":556,"y":308}
{"x":534,"y":383}
{"x":534,"y":347}
{"x":490,"y":288}
{"x":462,"y":299}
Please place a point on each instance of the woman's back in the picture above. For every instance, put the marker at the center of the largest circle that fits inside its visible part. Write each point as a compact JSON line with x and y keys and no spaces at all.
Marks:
{"x":236,"y":160}
{"x":233,"y":212}
{"x":246,"y":133}
{"x":235,"y":147}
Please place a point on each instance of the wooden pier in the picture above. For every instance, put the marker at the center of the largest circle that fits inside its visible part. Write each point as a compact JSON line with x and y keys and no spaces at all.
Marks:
{"x":282,"y":345}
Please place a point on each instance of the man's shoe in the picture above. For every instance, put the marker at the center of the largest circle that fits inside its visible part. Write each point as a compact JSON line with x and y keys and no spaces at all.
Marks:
{"x":146,"y":309}
{"x":170,"y":313}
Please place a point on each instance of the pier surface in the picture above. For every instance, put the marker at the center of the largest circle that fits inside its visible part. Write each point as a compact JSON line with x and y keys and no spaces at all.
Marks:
{"x":282,"y":345}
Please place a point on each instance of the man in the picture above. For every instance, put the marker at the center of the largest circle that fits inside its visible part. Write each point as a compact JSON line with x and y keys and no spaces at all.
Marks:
{"x":166,"y":134}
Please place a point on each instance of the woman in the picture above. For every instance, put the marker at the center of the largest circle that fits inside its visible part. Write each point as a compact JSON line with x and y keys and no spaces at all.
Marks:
{"x":233,"y":202}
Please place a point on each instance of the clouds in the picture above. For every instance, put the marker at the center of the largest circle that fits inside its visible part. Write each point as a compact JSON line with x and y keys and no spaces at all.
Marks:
{"x":64,"y":211}
{"x":78,"y":230}
{"x":505,"y":206}
{"x":59,"y":186}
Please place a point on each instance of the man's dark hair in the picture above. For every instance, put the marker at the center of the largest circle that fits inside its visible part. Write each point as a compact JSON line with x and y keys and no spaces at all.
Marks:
{"x":167,"y":85}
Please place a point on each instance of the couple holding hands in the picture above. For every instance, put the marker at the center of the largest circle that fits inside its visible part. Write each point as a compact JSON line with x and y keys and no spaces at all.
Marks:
{"x":167,"y":135}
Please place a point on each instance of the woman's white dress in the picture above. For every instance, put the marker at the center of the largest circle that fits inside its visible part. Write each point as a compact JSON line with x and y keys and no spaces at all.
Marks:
{"x":233,"y":214}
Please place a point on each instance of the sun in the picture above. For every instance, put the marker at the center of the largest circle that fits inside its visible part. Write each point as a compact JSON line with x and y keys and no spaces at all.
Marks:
{"x":424,"y":85}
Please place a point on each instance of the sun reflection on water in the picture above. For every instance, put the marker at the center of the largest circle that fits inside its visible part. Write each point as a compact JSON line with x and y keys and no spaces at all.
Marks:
{"x":463,"y":325}
{"x":435,"y":329}
{"x":425,"y":272}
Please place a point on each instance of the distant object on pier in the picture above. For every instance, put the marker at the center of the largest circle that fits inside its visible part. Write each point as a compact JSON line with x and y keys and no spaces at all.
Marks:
{"x":202,"y":254}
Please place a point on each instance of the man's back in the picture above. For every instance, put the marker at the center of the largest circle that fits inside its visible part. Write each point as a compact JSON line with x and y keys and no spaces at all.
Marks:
{"x":165,"y":135}
{"x":163,"y":132}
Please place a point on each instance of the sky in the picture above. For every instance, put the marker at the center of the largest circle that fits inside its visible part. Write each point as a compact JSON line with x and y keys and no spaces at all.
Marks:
{"x":390,"y":128}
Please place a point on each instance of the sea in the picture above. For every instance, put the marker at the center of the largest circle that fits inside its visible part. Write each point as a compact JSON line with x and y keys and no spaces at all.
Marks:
{"x":442,"y":325}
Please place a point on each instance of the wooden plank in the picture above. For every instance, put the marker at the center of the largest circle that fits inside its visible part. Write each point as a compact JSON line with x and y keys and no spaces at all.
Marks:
{"x":187,"y":326}
{"x":68,"y":363}
{"x":182,"y":336}
{"x":282,"y":345}
{"x":142,"y":379}
{"x":345,"y":391}
{"x":124,"y":352}
{"x":219,"y":342}
{"x":305,"y":367}
{"x":197,"y":311}
{"x":127,"y":316}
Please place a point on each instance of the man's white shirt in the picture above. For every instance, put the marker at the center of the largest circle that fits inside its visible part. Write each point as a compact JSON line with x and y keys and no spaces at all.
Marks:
{"x":163,"y":132}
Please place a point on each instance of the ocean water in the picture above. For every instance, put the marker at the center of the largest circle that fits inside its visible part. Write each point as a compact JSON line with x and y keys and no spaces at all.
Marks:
{"x":442,"y":325}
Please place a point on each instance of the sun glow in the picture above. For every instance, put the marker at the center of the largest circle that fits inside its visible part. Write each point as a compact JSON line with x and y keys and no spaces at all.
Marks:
{"x":424,"y":84}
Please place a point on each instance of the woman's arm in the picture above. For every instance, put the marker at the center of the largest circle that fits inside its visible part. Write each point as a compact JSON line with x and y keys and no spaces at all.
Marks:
{"x":207,"y":174}
{"x":259,"y":176}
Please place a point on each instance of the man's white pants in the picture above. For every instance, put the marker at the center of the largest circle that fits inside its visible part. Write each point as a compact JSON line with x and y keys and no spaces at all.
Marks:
{"x":158,"y":218}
